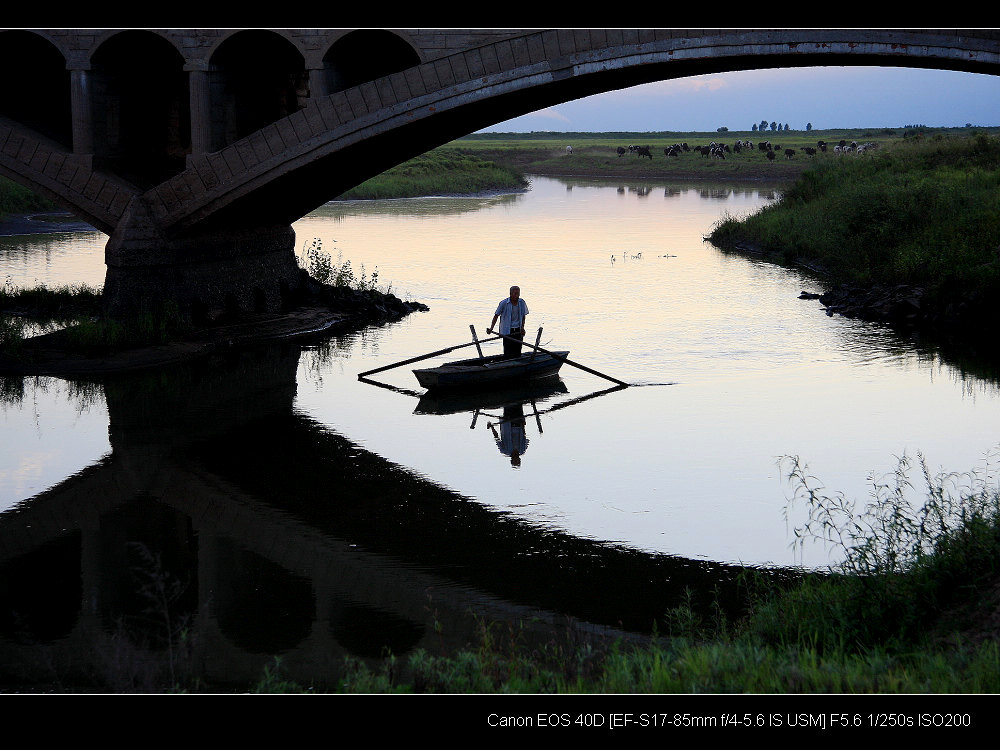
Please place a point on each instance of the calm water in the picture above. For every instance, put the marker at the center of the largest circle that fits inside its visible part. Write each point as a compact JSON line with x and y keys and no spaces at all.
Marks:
{"x":281,"y":465}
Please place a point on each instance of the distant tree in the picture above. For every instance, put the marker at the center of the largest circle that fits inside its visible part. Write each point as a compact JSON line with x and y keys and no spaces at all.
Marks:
{"x":774,"y":125}
{"x":763,"y":124}
{"x":786,"y":126}
{"x":754,"y":128}
{"x":723,"y":129}
{"x":809,"y":126}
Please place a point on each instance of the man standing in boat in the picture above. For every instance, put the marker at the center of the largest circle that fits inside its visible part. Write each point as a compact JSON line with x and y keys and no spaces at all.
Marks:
{"x":511,"y":311}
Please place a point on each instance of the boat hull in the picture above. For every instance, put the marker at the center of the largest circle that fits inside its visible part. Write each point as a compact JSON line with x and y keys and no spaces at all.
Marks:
{"x":490,"y":372}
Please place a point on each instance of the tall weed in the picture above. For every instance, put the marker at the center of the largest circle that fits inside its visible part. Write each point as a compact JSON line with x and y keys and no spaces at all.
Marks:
{"x":903,"y":557}
{"x":339,"y":273}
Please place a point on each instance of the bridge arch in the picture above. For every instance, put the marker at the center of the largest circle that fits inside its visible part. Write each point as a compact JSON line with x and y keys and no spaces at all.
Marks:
{"x":38,"y":98}
{"x":256,"y":77}
{"x":140,"y":105}
{"x":261,"y":592}
{"x":363,"y":55}
{"x":359,"y":132}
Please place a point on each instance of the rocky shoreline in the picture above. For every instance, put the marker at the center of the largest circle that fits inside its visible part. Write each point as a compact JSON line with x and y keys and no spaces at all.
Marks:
{"x":944,"y":315}
{"x":964,"y":325}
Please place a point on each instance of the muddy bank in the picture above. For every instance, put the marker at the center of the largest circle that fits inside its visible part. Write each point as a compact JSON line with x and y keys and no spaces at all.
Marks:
{"x":319,"y":311}
{"x":42,"y":223}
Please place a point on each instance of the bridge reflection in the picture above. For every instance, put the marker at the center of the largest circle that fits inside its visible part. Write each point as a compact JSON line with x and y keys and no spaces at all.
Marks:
{"x":224,"y":513}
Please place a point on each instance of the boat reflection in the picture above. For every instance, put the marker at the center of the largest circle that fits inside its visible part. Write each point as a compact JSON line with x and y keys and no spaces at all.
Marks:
{"x":506,"y":410}
{"x":509,"y":426}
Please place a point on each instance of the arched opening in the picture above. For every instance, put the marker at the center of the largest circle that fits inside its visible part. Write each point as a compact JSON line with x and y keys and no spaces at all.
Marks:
{"x":365,"y":55}
{"x":40,"y":592}
{"x":38,"y":96}
{"x":142,"y":124}
{"x":372,"y":632}
{"x":256,"y":77}
{"x":259,"y":605}
{"x":149,"y":572}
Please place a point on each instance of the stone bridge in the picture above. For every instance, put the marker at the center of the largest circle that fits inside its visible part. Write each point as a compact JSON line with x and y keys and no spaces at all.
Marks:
{"x":196,"y":150}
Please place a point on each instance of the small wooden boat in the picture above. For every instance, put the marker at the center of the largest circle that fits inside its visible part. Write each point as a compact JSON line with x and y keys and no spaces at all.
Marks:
{"x":488,"y":372}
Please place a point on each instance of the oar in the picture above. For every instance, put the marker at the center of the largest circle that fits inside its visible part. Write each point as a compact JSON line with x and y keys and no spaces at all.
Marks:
{"x":564,"y":359}
{"x":417,"y":359}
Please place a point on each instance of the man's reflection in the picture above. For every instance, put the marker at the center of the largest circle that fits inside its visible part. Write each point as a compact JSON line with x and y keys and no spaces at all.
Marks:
{"x":512,"y":439}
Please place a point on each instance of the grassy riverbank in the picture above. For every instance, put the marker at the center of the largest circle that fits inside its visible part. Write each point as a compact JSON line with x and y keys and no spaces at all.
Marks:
{"x":443,"y":171}
{"x":16,"y":200}
{"x":595,"y":154}
{"x":65,"y":330}
{"x":913,"y":608}
{"x":922,"y":217}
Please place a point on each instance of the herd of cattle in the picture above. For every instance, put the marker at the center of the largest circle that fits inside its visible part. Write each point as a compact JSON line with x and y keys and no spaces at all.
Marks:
{"x":719,"y":150}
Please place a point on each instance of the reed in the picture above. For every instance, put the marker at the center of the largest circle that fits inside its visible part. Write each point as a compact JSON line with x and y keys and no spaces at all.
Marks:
{"x":39,"y":309}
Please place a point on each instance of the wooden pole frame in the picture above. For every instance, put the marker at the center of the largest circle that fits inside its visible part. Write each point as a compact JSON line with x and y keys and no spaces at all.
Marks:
{"x":564,"y":359}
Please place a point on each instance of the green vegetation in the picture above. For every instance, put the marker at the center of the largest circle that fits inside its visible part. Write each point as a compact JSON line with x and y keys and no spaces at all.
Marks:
{"x":443,"y":171}
{"x":595,"y":154}
{"x":910,"y":609}
{"x":38,"y":309}
{"x":74,"y":314}
{"x":907,"y":611}
{"x":336,"y":273}
{"x":15,"y":199}
{"x":923,"y":212}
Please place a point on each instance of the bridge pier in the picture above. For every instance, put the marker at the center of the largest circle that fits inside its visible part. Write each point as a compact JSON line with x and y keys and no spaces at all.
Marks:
{"x":195,"y":277}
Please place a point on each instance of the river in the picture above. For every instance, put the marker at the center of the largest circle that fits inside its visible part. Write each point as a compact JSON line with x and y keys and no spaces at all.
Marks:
{"x":312,"y":515}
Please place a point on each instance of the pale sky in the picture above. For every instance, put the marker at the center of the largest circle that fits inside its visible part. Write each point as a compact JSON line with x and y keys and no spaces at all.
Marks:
{"x":828,"y":97}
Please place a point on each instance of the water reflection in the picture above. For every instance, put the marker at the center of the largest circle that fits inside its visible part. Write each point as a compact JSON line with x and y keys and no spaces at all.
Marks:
{"x":298,"y":510}
{"x":500,"y":411}
{"x":426,"y":206}
{"x":225,"y":527}
{"x":506,"y":413}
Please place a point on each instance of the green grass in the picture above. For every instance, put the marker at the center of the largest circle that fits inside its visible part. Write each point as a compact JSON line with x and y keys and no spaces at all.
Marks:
{"x":38,"y":309}
{"x":900,"y":614}
{"x":15,"y":199}
{"x":443,"y":171}
{"x":918,"y":213}
{"x":594,"y":154}
{"x":75,"y":313}
{"x":924,"y":213}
